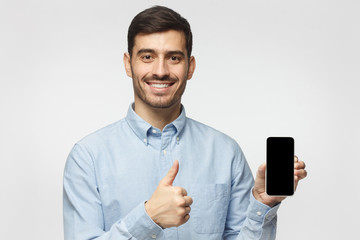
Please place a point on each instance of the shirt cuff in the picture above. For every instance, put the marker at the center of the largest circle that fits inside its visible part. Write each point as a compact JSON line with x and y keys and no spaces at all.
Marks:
{"x":260,"y":212}
{"x":141,"y":226}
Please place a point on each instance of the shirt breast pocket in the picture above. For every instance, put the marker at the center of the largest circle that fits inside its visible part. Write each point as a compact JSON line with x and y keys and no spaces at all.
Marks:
{"x":209,"y":208}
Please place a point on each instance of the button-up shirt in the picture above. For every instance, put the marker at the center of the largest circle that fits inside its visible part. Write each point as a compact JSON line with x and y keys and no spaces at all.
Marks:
{"x":111,"y":173}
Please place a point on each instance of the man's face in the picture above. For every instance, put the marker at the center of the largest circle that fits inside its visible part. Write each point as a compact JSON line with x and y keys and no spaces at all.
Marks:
{"x":159,"y":67}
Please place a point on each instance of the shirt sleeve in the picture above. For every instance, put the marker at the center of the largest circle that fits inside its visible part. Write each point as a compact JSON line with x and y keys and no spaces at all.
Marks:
{"x":247,"y":218}
{"x":82,"y":208}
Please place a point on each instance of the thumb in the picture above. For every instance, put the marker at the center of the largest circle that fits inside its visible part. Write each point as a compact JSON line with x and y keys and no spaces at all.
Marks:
{"x":170,"y":176}
{"x":259,"y":186}
{"x":261,"y":171}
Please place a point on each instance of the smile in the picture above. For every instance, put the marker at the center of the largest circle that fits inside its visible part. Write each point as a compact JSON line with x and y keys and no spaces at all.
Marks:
{"x":160,"y":85}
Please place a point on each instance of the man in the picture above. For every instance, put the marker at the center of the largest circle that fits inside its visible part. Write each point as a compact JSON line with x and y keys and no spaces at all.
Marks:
{"x":157,"y":174}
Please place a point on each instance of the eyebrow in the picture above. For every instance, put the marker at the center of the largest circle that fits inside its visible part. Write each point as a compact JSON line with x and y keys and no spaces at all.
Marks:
{"x":149,"y":50}
{"x":145,"y":50}
{"x":176,"y":53}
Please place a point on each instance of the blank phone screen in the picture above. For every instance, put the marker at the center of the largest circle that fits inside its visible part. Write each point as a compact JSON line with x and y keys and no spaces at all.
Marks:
{"x":280,"y":166}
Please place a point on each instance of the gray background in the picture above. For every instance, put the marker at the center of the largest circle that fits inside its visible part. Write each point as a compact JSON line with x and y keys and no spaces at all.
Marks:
{"x":264,"y":68}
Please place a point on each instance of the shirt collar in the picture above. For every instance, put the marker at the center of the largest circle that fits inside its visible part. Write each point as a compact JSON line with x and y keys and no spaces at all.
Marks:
{"x":141,"y":127}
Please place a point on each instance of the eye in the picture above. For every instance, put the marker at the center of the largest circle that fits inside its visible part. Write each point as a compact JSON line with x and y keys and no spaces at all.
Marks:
{"x":147,"y":58}
{"x":175,"y":59}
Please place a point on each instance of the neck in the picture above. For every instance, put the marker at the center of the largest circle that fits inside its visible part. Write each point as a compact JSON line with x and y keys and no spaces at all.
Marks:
{"x":157,"y":117}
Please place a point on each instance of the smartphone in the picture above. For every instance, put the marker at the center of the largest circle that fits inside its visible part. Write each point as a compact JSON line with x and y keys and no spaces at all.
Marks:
{"x":279,"y":166}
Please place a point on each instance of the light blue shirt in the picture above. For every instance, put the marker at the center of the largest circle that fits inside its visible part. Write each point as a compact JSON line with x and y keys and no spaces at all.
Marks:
{"x":111,"y":173}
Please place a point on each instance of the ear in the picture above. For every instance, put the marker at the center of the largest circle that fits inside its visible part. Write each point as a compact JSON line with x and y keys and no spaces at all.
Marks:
{"x":192,"y":65}
{"x":127,"y":64}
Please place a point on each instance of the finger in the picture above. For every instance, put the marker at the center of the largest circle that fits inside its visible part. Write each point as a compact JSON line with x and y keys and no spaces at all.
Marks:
{"x":296,"y":159}
{"x":170,"y":176}
{"x":188,"y":201}
{"x":186,"y":217}
{"x":296,"y":179}
{"x":180,"y":191}
{"x":184,"y":192}
{"x":187,"y":210}
{"x":299,"y":165}
{"x":301,"y":174}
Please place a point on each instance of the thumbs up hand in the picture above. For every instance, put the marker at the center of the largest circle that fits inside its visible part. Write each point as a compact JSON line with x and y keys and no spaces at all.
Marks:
{"x":169,"y":206}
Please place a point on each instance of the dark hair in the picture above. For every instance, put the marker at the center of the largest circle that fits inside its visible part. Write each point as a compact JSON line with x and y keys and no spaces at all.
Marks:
{"x":159,"y":19}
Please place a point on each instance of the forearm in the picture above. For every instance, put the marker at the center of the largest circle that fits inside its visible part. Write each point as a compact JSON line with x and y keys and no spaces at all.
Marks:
{"x":135,"y":225}
{"x":259,"y":223}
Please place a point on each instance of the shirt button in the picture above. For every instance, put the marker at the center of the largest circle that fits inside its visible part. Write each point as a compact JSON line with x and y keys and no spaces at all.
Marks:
{"x":259,"y":213}
{"x":145,"y":140}
{"x":153,"y":131}
{"x":164,"y":152}
{"x":153,"y":236}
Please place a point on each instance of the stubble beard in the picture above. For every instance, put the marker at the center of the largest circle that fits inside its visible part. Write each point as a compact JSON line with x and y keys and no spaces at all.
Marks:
{"x":159,"y":102}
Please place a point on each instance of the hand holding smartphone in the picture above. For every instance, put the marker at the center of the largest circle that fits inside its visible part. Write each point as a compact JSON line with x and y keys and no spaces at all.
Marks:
{"x":279,"y":166}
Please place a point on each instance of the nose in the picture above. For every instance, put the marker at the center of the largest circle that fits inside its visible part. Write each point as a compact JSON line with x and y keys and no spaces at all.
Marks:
{"x":160,"y":68}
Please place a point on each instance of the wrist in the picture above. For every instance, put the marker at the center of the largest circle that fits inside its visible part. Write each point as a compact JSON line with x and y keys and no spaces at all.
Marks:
{"x":149,"y":212}
{"x":264,"y":198}
{"x":148,"y":209}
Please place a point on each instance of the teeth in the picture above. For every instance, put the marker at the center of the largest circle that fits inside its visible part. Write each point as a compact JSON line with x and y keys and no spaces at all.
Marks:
{"x":158,"y":85}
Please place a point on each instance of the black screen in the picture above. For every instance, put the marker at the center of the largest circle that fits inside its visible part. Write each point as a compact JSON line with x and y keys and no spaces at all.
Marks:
{"x":280,"y":166}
